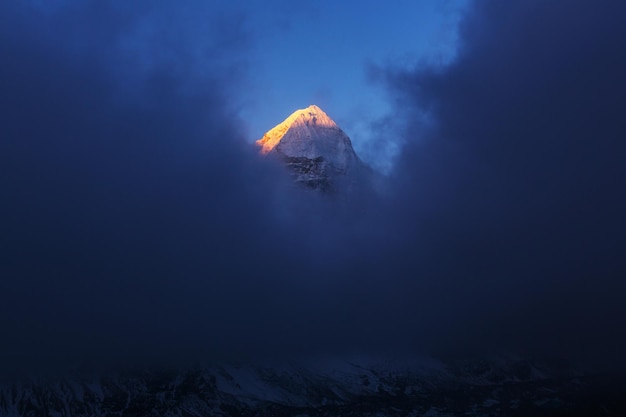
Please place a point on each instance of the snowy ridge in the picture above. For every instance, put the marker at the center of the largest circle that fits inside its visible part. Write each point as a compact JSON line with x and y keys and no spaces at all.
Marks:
{"x":349,"y":387}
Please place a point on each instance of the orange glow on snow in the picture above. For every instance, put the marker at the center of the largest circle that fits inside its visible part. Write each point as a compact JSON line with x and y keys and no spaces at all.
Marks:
{"x":273,"y":136}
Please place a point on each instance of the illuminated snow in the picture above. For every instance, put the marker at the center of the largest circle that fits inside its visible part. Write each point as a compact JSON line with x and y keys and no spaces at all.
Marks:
{"x":310,"y":133}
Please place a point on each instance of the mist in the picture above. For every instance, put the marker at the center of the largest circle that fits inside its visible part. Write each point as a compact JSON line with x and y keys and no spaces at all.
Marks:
{"x":139,"y":221}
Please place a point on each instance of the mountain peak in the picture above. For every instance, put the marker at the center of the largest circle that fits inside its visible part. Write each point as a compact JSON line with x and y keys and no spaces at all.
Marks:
{"x":312,"y":116}
{"x":312,"y":145}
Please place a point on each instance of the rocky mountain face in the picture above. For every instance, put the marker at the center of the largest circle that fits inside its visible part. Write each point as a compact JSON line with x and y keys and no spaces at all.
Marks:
{"x":317,"y":152}
{"x":361,"y":387}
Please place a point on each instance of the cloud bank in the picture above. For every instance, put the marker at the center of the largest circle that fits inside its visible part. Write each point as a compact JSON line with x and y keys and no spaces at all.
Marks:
{"x":514,"y":184}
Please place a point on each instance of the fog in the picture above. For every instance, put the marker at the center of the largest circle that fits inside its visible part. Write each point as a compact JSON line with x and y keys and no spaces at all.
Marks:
{"x":139,"y":221}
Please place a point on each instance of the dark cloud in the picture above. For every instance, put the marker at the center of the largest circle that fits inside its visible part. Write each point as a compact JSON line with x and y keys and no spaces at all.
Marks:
{"x":136,"y":220}
{"x":135,"y":215}
{"x":516,"y":193}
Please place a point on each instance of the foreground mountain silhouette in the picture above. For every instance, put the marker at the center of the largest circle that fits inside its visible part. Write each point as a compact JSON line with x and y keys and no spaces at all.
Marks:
{"x":348,"y":387}
{"x":316,"y":150}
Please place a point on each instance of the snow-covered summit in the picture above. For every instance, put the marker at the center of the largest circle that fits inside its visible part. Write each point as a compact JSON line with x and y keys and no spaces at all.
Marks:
{"x":309,"y":133}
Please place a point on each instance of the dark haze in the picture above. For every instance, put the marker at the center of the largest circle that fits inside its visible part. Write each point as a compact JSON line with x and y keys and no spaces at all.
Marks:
{"x":138,"y":221}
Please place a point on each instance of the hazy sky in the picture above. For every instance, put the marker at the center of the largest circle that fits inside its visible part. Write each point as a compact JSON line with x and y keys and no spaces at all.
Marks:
{"x":137,"y":220}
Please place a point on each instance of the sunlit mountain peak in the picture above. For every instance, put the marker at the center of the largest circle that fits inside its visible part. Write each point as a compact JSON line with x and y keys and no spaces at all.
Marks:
{"x":312,"y":145}
{"x":311,"y":116}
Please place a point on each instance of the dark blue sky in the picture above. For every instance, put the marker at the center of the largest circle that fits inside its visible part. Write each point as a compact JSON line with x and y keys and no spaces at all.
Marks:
{"x":137,"y":220}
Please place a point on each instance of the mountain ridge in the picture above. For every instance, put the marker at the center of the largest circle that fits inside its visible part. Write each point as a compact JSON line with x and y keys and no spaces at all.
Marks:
{"x":347,"y":387}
